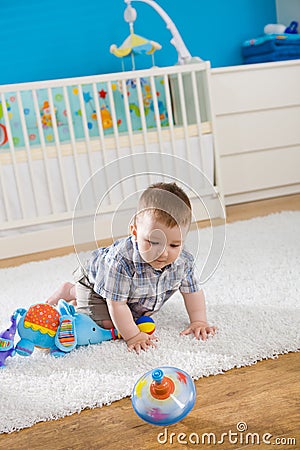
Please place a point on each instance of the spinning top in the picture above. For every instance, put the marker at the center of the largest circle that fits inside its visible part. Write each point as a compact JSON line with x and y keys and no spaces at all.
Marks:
{"x":164,"y":396}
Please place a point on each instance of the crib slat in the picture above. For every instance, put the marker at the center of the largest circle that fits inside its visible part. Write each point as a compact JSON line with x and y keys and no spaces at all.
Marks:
{"x":211,"y":116}
{"x":158,"y":124}
{"x":115,"y":128}
{"x":188,"y":154}
{"x":127,"y":115}
{"x":170,"y":121}
{"x":13,"y":157}
{"x":184,"y":116}
{"x":104,"y":161}
{"x":72,"y":136}
{"x":170,"y":113}
{"x":156,"y":113}
{"x":198,"y":115}
{"x":129,"y":128}
{"x":59,"y":154}
{"x":142,"y":113}
{"x":114,"y":118}
{"x":7,"y":206}
{"x":27,"y":147}
{"x":144,"y":123}
{"x":5,"y":197}
{"x":87,"y":139}
{"x":99,"y":123}
{"x":44,"y":151}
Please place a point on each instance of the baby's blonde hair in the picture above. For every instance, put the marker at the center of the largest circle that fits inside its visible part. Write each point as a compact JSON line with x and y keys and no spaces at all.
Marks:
{"x":168,"y":203}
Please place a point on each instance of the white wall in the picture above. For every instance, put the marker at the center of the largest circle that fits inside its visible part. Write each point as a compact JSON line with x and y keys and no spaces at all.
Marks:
{"x":288,"y":10}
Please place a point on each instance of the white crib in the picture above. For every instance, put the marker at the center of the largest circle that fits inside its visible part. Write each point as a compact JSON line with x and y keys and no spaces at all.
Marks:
{"x":41,"y":181}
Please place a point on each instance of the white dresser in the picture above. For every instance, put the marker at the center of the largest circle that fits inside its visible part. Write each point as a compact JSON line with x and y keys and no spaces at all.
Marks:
{"x":257,"y":109}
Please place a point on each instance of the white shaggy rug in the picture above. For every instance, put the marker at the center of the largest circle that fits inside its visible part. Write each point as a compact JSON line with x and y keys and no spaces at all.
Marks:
{"x":253,"y":298}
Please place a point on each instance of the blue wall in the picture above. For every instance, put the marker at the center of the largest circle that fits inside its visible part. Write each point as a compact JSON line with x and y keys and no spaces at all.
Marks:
{"x":67,"y":38}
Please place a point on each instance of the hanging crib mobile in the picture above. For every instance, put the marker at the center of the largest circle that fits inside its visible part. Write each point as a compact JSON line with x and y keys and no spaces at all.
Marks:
{"x":136,"y":45}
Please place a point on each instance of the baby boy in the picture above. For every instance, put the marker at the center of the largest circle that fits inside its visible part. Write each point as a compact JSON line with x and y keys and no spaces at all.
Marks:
{"x":136,"y":275}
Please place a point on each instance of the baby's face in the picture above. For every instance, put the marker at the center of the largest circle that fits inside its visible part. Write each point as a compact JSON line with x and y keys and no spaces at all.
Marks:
{"x":158,"y":244}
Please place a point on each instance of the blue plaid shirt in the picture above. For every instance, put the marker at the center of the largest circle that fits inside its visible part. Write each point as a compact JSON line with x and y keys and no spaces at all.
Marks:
{"x":119,"y":273}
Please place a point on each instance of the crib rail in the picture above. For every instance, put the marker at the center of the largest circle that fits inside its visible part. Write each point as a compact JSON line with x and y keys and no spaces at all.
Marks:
{"x":59,"y":132}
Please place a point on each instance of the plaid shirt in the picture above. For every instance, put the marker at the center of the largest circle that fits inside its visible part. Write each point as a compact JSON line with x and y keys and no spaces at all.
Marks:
{"x":119,"y":273}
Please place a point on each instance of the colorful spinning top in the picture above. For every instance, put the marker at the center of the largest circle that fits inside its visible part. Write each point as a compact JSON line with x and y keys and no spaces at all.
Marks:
{"x":164,"y":396}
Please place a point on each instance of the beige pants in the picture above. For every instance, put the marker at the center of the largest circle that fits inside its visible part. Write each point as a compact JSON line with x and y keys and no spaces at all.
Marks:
{"x":88,"y":301}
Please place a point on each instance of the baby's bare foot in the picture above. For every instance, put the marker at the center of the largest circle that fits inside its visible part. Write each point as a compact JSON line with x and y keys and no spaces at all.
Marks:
{"x":66,"y":291}
{"x":73,"y":302}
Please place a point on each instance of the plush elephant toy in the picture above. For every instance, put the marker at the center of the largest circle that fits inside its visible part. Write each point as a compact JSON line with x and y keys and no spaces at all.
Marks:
{"x":59,"y":329}
{"x":7,"y":341}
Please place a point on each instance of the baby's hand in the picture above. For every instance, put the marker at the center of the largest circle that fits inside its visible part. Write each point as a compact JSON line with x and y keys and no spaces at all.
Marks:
{"x":199,"y":329}
{"x":142,"y":341}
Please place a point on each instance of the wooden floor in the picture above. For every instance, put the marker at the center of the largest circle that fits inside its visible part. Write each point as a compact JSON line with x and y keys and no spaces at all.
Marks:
{"x":265,"y":397}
